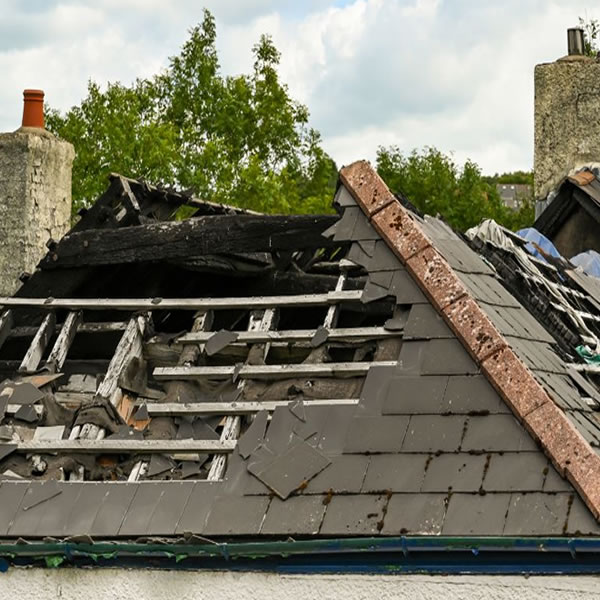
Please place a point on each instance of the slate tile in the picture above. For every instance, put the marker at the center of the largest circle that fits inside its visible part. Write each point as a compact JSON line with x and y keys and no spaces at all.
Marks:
{"x":561,"y":390}
{"x":433,"y":433}
{"x":554,"y":482}
{"x":460,"y":257}
{"x":357,"y":255}
{"x":292,"y":468}
{"x":84,"y":511}
{"x":581,"y":521}
{"x":516,"y":472}
{"x":11,"y":495}
{"x":363,"y":230}
{"x":235,"y":515}
{"x":424,"y":322}
{"x":219,"y":340}
{"x":320,"y":337}
{"x":472,"y":514}
{"x":372,"y":292}
{"x":254,"y":435}
{"x":496,"y":433}
{"x":458,"y":472}
{"x":381,"y":278}
{"x":111,"y":512}
{"x":345,"y":474}
{"x":472,"y":393}
{"x":40,"y":491}
{"x":395,"y":472}
{"x":332,"y":438}
{"x":55,"y":515}
{"x":7,"y":449}
{"x":405,"y":289}
{"x":415,"y":395}
{"x":537,"y":514}
{"x":199,"y":504}
{"x":435,"y":357}
{"x":203,"y":431}
{"x":373,"y":391}
{"x":239,"y":481}
{"x":298,"y":515}
{"x":486,"y":288}
{"x":376,"y":434}
{"x":421,"y":514}
{"x":384,"y":259}
{"x":353,"y":515}
{"x":21,"y":393}
{"x":156,"y":508}
{"x":343,"y":198}
{"x":159,"y":463}
{"x":281,"y":429}
{"x":345,"y":226}
{"x":316,"y":418}
{"x":27,"y":413}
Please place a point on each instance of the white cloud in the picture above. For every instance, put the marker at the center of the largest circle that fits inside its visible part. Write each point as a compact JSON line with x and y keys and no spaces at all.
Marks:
{"x":456,"y":74}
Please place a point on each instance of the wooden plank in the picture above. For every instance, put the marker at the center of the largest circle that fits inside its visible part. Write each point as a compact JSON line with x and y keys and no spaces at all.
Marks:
{"x":108,"y":446}
{"x":198,"y":304}
{"x":293,"y":335}
{"x":197,"y":236}
{"x":129,"y":346}
{"x":172,"y":409}
{"x":342,"y":369}
{"x":6,"y":325}
{"x":38,"y":344}
{"x":103,"y":327}
{"x":58,"y":354}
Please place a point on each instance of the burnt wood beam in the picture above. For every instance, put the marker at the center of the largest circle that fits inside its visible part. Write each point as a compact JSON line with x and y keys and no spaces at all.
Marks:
{"x":197,"y":236}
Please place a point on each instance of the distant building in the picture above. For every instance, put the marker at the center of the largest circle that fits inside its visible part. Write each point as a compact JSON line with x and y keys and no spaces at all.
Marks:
{"x":512,"y":194}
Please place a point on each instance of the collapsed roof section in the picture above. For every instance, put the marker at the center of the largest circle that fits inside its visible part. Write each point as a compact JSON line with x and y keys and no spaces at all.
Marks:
{"x":313,"y":377}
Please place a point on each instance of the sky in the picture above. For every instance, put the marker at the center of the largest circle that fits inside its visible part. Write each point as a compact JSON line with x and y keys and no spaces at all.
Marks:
{"x":454,"y":74}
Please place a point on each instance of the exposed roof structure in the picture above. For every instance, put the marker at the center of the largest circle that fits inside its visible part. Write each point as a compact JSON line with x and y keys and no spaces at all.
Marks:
{"x":247,"y":376}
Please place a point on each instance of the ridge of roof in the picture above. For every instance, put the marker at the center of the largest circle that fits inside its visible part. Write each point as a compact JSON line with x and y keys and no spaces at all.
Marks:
{"x":568,"y":450}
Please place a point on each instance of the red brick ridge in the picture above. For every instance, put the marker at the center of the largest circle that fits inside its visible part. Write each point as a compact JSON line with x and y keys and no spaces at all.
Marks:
{"x":568,"y":450}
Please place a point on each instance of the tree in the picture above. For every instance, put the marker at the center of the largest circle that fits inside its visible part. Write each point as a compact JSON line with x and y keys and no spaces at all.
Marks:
{"x":591,"y":33}
{"x":435,"y":184}
{"x":241,"y":140}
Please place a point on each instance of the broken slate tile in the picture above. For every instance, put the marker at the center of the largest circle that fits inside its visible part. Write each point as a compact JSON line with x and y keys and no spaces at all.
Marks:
{"x":234,"y":377}
{"x":581,"y":521}
{"x":320,"y":337}
{"x":381,"y":278}
{"x":159,"y":463}
{"x":189,"y":468}
{"x":281,"y":429}
{"x":425,"y":323}
{"x":421,"y":514}
{"x":141,"y":414}
{"x":405,"y":289}
{"x":203,"y":431}
{"x":11,"y":495}
{"x":49,"y":433}
{"x":254,"y":435}
{"x":298,"y":464}
{"x":346,"y":224}
{"x":297,"y":409}
{"x":219,"y":340}
{"x":27,"y":413}
{"x":6,"y":432}
{"x":363,"y":230}
{"x":3,"y":405}
{"x":298,"y":515}
{"x":185,"y":431}
{"x":21,"y":393}
{"x":373,"y":292}
{"x":7,"y":449}
{"x":343,"y":198}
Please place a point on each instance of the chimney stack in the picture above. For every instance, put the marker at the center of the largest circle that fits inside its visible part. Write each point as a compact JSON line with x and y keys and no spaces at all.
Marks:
{"x":567,"y":128}
{"x":35,"y":192}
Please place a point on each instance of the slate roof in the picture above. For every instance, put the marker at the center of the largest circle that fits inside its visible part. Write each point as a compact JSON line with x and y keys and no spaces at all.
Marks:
{"x":378,"y":380}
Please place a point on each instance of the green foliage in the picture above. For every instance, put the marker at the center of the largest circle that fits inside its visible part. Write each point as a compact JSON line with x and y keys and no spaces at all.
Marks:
{"x":591,"y":35}
{"x":239,"y":140}
{"x":435,"y":184}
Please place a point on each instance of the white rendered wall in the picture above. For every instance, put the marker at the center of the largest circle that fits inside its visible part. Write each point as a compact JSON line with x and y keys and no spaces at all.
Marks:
{"x":117,"y":584}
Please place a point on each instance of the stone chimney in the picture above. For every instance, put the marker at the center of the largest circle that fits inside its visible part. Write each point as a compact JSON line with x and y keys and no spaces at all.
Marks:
{"x":567,"y":123}
{"x":35,"y":192}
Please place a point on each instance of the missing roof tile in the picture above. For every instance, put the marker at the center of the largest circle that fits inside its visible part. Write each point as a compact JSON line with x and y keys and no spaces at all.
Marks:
{"x":254,"y":435}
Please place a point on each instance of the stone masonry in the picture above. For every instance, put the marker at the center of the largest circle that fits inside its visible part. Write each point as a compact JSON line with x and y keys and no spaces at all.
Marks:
{"x":567,"y":125}
{"x":35,"y":199}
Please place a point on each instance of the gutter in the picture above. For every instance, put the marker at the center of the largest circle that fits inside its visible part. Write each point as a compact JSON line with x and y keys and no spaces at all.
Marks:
{"x":405,"y":554}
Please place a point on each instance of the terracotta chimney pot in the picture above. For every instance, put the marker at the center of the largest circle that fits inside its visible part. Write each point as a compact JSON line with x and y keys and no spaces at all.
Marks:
{"x":33,"y":108}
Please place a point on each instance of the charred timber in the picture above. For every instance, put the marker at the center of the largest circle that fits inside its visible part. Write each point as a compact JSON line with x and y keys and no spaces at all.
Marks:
{"x":198,"y":236}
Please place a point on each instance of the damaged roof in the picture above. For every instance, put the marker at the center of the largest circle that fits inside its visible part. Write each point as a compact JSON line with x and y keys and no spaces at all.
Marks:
{"x":240,"y":375}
